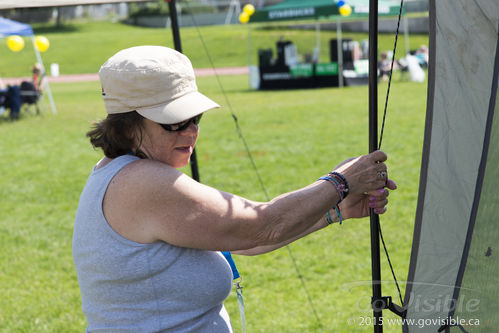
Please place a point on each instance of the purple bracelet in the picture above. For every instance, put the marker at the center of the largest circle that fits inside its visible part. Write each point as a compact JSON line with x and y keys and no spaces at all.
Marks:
{"x":344,"y":188}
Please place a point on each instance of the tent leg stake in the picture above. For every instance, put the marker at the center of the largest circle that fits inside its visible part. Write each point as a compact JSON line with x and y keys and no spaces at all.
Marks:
{"x":385,"y":302}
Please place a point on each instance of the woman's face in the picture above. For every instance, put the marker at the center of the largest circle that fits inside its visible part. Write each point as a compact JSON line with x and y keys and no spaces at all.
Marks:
{"x":172,"y":148}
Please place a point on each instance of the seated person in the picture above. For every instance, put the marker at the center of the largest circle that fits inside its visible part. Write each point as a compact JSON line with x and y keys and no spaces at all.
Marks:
{"x":3,"y":97}
{"x":38,"y":77}
{"x":422,"y":55}
{"x":10,"y":98}
{"x":32,"y":90}
{"x":384,"y":66}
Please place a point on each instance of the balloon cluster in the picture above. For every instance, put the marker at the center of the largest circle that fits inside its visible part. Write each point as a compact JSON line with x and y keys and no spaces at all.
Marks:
{"x":245,"y":15}
{"x":344,"y":8}
{"x":42,"y":43}
{"x":16,"y":43}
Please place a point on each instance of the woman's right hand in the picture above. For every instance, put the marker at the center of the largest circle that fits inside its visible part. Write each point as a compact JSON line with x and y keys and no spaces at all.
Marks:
{"x":364,"y":173}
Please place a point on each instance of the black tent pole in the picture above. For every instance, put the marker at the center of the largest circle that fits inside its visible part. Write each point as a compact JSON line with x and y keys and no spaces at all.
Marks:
{"x":178,"y":47}
{"x":174,"y":23}
{"x":373,"y":145}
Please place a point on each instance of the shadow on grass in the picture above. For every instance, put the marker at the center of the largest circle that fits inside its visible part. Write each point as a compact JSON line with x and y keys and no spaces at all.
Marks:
{"x":53,"y":28}
{"x":5,"y":119}
{"x":25,"y":113}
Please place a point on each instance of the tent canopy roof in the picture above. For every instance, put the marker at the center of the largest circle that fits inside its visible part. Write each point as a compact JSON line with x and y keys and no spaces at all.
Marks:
{"x":9,"y":27}
{"x":314,"y":9}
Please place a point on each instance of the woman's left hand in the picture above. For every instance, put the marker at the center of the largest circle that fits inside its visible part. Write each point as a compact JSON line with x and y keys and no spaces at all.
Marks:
{"x":357,"y":205}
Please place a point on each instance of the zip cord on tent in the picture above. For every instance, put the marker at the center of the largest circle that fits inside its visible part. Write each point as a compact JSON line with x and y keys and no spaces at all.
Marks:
{"x":381,"y":140}
{"x":255,"y":168}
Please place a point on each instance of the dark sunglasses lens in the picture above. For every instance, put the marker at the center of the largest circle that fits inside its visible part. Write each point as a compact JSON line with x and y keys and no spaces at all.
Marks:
{"x":183,"y":125}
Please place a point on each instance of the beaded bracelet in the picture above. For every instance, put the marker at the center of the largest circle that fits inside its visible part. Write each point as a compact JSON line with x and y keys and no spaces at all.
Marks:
{"x":336,"y":185}
{"x":337,"y":209}
{"x":328,"y":218}
{"x":344,"y":188}
{"x":339,"y":182}
{"x":329,"y":221}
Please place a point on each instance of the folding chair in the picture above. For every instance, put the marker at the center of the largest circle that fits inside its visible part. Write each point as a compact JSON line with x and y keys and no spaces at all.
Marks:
{"x":30,"y":96}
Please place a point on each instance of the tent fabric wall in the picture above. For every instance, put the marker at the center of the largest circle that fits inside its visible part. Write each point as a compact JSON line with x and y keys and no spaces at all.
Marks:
{"x":454,"y":265}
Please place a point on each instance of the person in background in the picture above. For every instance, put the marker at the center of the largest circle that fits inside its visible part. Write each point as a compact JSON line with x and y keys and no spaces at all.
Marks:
{"x":38,"y":77}
{"x":384,"y":66}
{"x":147,"y":238}
{"x":423,"y":56}
{"x":10,"y":98}
{"x":3,"y":97}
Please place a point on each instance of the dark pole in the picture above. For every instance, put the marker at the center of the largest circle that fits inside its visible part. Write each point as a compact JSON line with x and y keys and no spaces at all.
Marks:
{"x":178,"y":47}
{"x":373,"y":145}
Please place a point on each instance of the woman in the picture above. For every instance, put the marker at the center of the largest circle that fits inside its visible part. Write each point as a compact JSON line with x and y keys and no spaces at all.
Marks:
{"x":147,"y":236}
{"x":38,"y":78}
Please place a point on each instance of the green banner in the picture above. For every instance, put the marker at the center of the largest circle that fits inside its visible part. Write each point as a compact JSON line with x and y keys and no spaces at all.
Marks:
{"x":324,"y":69}
{"x":302,"y":70}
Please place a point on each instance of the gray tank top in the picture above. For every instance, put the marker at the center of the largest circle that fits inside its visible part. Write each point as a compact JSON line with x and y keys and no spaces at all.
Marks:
{"x":133,"y":287}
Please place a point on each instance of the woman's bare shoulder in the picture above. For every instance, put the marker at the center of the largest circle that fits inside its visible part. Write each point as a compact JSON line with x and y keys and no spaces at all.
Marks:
{"x":148,"y":173}
{"x":131,"y":197}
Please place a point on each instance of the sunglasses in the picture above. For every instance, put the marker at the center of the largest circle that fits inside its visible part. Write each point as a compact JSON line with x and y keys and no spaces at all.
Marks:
{"x":182,"y":125}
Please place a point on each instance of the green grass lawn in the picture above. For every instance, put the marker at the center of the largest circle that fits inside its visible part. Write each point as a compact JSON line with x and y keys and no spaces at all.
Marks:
{"x":295,"y":136}
{"x":83,"y":47}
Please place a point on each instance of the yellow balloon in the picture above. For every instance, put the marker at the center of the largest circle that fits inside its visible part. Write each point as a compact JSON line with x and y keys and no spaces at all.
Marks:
{"x":243,"y":17}
{"x":345,"y":10}
{"x":249,"y":9}
{"x":42,"y":43}
{"x":15,"y":43}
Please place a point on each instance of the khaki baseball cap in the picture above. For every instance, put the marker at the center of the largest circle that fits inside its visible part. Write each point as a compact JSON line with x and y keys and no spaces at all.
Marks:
{"x":156,"y":81}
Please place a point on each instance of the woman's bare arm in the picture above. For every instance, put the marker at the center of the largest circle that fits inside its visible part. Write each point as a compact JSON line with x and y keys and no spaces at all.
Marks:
{"x":149,"y":201}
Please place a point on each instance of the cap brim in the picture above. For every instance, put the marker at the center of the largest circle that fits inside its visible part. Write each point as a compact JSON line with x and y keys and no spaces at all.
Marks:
{"x":180,"y":109}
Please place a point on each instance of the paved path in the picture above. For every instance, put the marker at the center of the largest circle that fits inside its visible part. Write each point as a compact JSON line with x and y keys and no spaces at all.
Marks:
{"x":95,"y":77}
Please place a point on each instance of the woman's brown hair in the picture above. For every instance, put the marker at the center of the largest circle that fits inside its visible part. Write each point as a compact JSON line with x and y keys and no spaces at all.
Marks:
{"x":118,"y":134}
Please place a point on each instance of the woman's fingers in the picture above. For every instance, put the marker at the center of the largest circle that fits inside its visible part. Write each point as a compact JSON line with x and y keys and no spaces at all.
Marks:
{"x":380,"y":175}
{"x":391,"y":184}
{"x":377,"y":195}
{"x":378,"y":203}
{"x":366,"y":172}
{"x":380,"y":210}
{"x":378,"y":199}
{"x":378,"y":156}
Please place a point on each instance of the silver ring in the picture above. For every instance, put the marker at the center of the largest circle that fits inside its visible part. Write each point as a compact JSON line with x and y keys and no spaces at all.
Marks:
{"x":382,"y":175}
